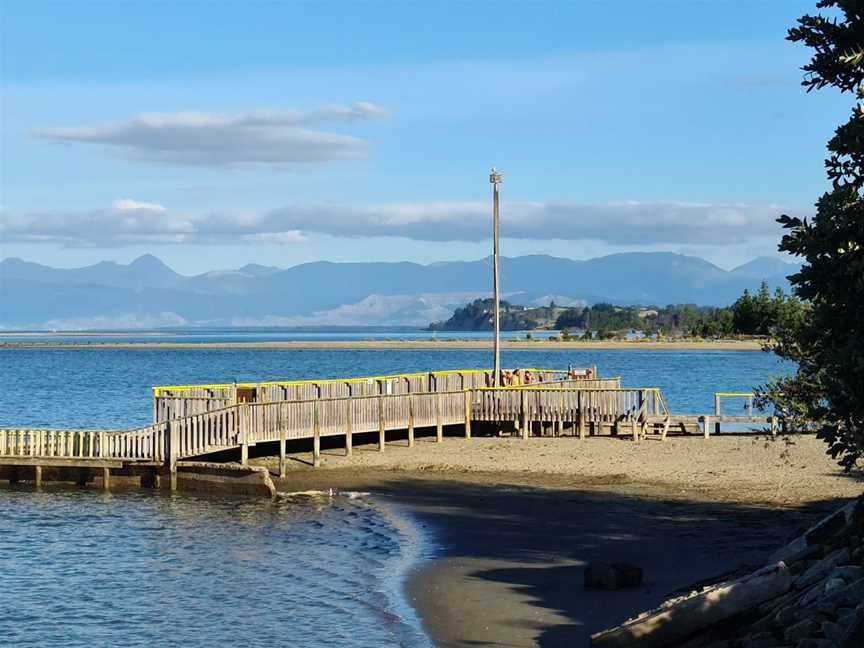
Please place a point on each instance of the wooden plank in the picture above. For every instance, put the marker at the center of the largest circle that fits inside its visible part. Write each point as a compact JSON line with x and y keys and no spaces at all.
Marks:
{"x":62,"y":462}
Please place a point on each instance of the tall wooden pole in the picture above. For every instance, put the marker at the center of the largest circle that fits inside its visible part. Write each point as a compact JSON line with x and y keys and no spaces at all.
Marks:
{"x":495,"y":179}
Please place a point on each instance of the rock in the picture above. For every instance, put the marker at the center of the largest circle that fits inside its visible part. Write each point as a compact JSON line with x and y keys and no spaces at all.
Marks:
{"x":834,"y":584}
{"x":801,"y":630}
{"x":848,"y":573}
{"x":831,"y":631}
{"x":760,"y":640}
{"x":612,"y":576}
{"x":822,"y":568}
{"x":812,"y":642}
{"x":853,"y":637}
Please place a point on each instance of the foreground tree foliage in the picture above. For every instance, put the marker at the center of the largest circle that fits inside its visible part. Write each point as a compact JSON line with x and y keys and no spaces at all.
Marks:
{"x":828,"y":345}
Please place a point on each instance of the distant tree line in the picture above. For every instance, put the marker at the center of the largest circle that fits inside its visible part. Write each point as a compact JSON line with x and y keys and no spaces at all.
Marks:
{"x":761,"y":313}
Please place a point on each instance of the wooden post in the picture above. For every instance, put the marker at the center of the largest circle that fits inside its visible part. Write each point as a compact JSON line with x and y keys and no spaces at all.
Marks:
{"x":523,"y":413}
{"x":580,"y":412}
{"x":716,"y":404}
{"x":106,"y":478}
{"x":410,"y":421}
{"x":243,"y":418}
{"x":774,"y":426}
{"x":283,"y":468}
{"x":316,"y":435}
{"x":749,"y":406}
{"x":349,"y":425}
{"x":467,"y":399}
{"x":173,"y":448}
{"x":37,"y":476}
{"x":381,"y":433}
{"x":439,"y":428}
{"x":706,"y":425}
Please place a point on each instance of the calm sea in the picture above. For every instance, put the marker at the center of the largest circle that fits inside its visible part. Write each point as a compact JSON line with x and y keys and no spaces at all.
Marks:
{"x":80,"y":567}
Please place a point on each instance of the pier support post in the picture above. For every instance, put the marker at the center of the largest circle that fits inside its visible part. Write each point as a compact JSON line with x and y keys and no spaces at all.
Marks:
{"x":467,"y":399}
{"x":283,"y":468}
{"x":523,"y":414}
{"x":410,"y":422}
{"x":381,"y":429}
{"x":316,"y":435}
{"x":106,"y":478}
{"x":173,"y":451}
{"x":37,"y":477}
{"x":439,"y":428}
{"x":706,"y":426}
{"x":349,"y":426}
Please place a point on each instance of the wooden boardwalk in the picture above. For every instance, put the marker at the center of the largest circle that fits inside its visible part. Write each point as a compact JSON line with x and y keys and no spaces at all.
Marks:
{"x":193,"y":421}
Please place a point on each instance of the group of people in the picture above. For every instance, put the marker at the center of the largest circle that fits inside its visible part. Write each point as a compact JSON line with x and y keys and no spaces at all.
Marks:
{"x":519,"y":377}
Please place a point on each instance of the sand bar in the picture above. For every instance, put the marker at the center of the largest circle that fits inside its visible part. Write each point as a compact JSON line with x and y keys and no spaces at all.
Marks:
{"x":516,"y":521}
{"x":532,"y":345}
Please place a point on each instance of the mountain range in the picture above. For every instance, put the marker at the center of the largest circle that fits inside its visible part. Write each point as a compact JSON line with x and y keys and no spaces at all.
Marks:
{"x":148,"y":294}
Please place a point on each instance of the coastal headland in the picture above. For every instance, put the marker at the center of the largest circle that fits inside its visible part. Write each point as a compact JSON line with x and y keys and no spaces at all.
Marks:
{"x":514,"y":522}
{"x":533,"y":345}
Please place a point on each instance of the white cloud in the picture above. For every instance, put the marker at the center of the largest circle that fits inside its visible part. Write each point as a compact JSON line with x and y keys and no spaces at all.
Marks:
{"x":621,"y":224}
{"x":128,"y":203}
{"x":275,"y":138}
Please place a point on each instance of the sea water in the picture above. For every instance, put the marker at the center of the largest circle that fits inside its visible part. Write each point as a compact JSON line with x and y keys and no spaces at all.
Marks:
{"x":82,"y":567}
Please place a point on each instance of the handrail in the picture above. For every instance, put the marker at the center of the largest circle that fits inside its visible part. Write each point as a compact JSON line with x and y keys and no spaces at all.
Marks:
{"x":157,"y":389}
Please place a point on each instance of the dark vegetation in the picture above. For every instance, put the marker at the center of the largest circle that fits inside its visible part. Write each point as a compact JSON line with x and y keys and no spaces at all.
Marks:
{"x":828,"y":345}
{"x":751,"y":314}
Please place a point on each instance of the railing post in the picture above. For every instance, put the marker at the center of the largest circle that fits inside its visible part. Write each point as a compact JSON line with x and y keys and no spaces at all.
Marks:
{"x":410,"y":421}
{"x":381,"y":430}
{"x":439,"y":428}
{"x":283,"y":469}
{"x":716,"y":404}
{"x":243,"y":413}
{"x":750,"y":405}
{"x":580,"y":412}
{"x":316,"y":434}
{"x":173,"y":448}
{"x":774,"y":426}
{"x":101,"y":444}
{"x":706,"y":424}
{"x":349,"y":423}
{"x":523,"y":413}
{"x":467,"y":399}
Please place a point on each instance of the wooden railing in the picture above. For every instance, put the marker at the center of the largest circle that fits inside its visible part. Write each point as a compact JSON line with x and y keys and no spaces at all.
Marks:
{"x":179,"y":401}
{"x":138,"y":444}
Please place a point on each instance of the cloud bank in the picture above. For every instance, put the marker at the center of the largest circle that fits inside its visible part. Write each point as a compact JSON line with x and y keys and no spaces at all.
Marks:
{"x":276,"y":138}
{"x":131,"y":221}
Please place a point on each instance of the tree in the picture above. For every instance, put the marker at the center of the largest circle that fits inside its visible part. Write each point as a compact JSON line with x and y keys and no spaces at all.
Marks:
{"x":828,"y":344}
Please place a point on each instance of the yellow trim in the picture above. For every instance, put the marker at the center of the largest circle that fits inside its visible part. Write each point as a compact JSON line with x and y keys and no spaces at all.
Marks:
{"x":734,"y":394}
{"x":157,"y":390}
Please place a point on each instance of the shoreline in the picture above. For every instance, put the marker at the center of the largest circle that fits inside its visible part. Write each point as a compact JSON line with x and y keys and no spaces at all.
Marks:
{"x":512,"y":532}
{"x":532,"y":345}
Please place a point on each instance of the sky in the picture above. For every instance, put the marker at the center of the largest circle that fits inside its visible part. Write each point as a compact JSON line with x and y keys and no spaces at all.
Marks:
{"x":215,"y":134}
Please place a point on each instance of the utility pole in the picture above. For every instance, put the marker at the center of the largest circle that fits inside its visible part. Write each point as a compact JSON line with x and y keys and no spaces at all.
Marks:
{"x":495,"y":179}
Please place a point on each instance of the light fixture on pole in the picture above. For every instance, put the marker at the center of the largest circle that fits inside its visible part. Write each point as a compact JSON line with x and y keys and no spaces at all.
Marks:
{"x":495,"y":179}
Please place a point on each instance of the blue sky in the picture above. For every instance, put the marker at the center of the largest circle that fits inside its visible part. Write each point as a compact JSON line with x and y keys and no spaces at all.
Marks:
{"x":215,"y":134}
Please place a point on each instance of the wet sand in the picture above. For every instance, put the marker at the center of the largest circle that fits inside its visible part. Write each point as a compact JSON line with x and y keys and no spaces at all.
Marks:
{"x":515,"y":522}
{"x":533,"y":345}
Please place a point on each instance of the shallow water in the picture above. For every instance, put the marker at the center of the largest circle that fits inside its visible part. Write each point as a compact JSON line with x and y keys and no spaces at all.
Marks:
{"x":83,"y":568}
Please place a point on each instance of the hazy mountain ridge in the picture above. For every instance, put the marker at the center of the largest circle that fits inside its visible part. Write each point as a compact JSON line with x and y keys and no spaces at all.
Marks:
{"x":147,"y":291}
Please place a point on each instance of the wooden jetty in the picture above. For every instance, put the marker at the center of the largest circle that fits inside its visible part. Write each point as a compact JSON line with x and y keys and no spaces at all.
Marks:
{"x":195,"y":421}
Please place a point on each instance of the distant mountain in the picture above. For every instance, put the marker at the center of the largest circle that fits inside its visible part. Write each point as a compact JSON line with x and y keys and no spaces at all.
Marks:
{"x":763,"y":267}
{"x":148,"y":293}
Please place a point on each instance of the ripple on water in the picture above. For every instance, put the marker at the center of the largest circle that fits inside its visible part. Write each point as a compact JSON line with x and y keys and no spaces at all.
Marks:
{"x":134,"y":569}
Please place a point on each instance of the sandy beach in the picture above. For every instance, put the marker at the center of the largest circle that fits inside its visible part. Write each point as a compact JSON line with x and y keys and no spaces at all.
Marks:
{"x":534,"y":345}
{"x":515,"y":522}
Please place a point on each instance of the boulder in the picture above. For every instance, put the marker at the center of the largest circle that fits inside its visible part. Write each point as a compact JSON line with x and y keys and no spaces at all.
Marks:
{"x":612,"y":576}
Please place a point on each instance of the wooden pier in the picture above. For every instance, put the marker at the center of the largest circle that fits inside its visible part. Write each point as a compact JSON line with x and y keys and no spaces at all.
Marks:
{"x":194,"y":421}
